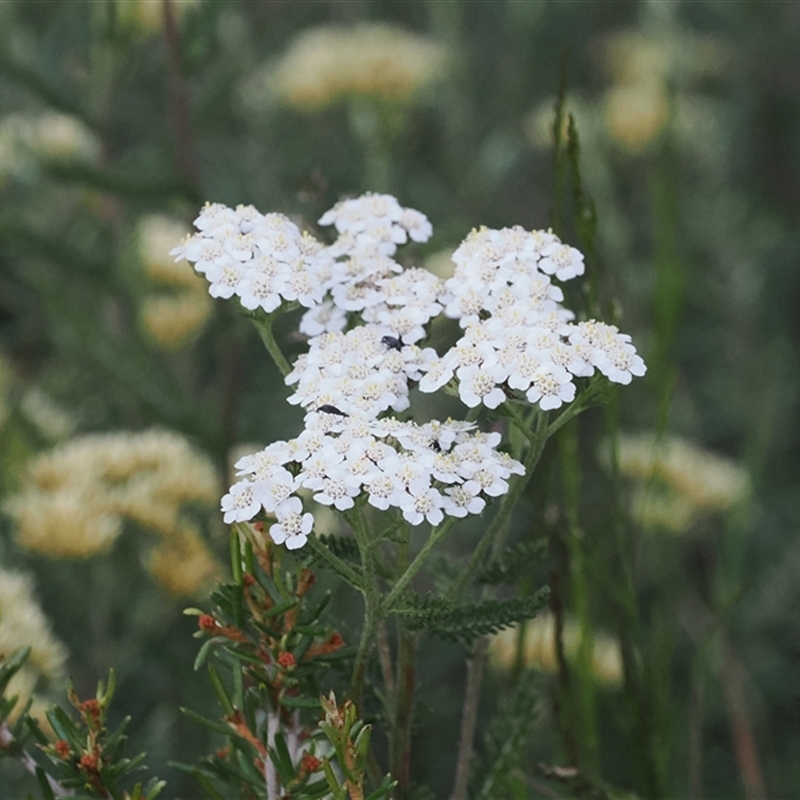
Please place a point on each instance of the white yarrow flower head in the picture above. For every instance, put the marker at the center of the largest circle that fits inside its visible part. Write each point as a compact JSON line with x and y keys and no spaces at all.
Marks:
{"x":518,"y":337}
{"x":561,"y":260}
{"x":424,"y":471}
{"x":263,"y":259}
{"x":240,"y":504}
{"x":292,"y":527}
{"x":362,"y":372}
{"x":365,"y":279}
{"x":367,"y":319}
{"x":376,"y":221}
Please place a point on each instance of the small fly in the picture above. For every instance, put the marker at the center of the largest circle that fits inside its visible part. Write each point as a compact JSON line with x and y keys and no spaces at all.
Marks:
{"x":329,"y":409}
{"x":393,"y":342}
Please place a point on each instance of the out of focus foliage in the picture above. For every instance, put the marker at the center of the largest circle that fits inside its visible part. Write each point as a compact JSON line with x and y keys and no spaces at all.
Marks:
{"x":118,"y":119}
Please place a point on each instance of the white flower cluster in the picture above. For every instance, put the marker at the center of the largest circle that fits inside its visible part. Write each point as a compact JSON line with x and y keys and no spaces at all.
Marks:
{"x":263,"y":259}
{"x":375,"y":222}
{"x":366,"y":279}
{"x":517,"y":338}
{"x":426,"y":471}
{"x":517,"y":334}
{"x":361,"y":372}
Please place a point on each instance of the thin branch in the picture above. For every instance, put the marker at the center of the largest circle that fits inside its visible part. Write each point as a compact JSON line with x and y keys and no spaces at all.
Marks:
{"x":7,"y":743}
{"x":402,"y":582}
{"x":403,"y":712}
{"x":732,"y":676}
{"x":263,"y":323}
{"x":491,"y":535}
{"x":385,"y":655}
{"x":185,"y":153}
{"x":469,"y":718}
{"x":336,"y":563}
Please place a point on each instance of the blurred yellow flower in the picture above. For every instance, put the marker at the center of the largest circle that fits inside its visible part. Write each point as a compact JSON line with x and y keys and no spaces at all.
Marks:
{"x":23,"y":624}
{"x":148,"y":15}
{"x":645,"y":69}
{"x":635,"y":115}
{"x":155,"y":237}
{"x":538,"y":646}
{"x":183,"y":564}
{"x":63,"y":137}
{"x":50,"y":135}
{"x":633,"y":58}
{"x":52,"y":420}
{"x":171,"y":320}
{"x":331,"y":63}
{"x":678,"y":481}
{"x":74,"y":499}
{"x":70,"y":521}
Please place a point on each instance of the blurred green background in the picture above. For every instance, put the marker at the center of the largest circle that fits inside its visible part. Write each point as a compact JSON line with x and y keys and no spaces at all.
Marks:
{"x":119,"y":118}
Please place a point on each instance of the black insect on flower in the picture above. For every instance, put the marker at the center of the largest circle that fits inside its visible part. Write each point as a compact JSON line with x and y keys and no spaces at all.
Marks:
{"x":435,"y":446}
{"x":393,"y":342}
{"x":329,"y":409}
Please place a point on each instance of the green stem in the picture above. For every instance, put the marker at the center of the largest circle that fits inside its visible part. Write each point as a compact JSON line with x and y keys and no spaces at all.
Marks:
{"x":580,"y":405}
{"x":538,"y":441}
{"x":263,"y":323}
{"x":580,"y":699}
{"x":372,"y":618}
{"x":401,"y":701}
{"x":469,"y":717}
{"x":236,"y":554}
{"x":413,"y":568}
{"x":494,"y":536}
{"x":518,"y":420}
{"x":400,"y":763}
{"x":372,"y":604}
{"x":342,"y":568}
{"x":372,"y":132}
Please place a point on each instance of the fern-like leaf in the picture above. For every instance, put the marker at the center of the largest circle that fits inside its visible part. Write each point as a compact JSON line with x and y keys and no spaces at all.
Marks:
{"x":513,"y":563}
{"x":343,"y":546}
{"x":506,"y":740}
{"x":438,"y":617}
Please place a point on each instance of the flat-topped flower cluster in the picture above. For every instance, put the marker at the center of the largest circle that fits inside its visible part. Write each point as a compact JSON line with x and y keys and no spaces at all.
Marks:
{"x":359,"y":372}
{"x":365,"y":316}
{"x":517,"y":335}
{"x":426,"y":471}
{"x":265,"y":261}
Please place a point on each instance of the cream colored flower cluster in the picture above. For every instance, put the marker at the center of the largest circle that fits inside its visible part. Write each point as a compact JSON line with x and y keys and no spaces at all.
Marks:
{"x":332,"y":63}
{"x":537,"y":642}
{"x":23,"y":624}
{"x":147,"y":16}
{"x":678,"y":482}
{"x":75,"y":498}
{"x":51,"y":135}
{"x":645,"y":68}
{"x":172,"y":318}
